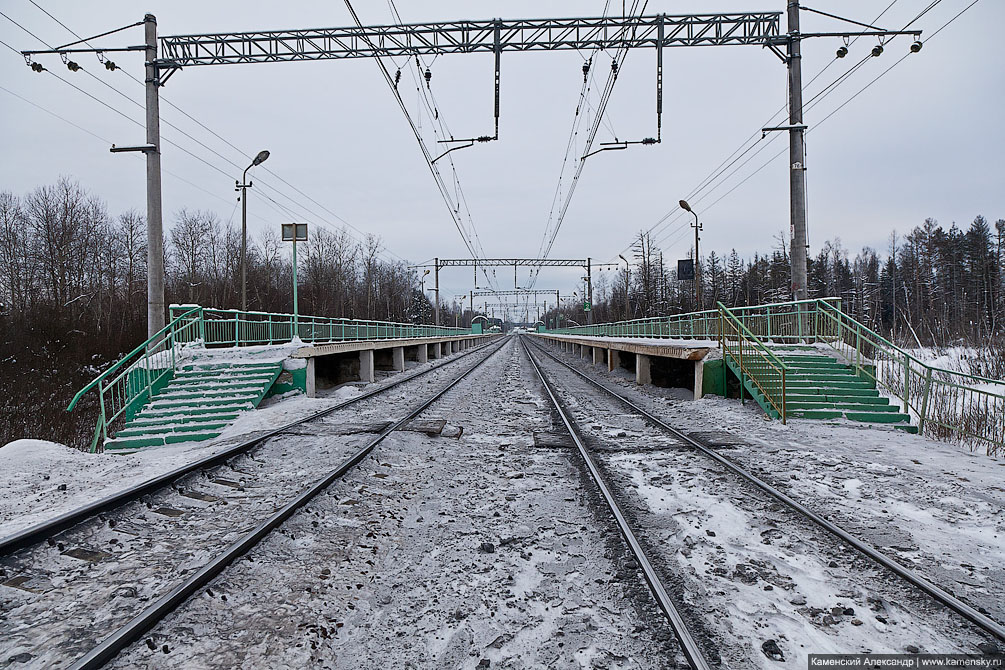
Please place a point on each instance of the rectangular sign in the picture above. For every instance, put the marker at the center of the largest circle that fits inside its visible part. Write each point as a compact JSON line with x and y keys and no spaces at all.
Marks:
{"x":291,"y":229}
{"x":587,"y":306}
{"x":685,"y":269}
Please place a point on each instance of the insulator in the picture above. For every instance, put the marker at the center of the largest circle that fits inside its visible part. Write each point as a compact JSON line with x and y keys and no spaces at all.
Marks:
{"x":586,"y":70}
{"x":110,"y":66}
{"x":877,"y":50}
{"x":916,"y":46}
{"x":428,"y":75}
{"x":614,"y":66}
{"x":842,"y":52}
{"x":72,"y":66}
{"x":37,"y":67}
{"x":397,"y":77}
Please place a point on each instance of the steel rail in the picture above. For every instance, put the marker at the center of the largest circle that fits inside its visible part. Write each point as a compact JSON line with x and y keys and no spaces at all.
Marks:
{"x":950,"y":601}
{"x":110,"y":647}
{"x":37,"y":533}
{"x":692,"y":651}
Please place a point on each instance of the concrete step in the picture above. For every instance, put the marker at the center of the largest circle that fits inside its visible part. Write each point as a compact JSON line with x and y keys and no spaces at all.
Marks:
{"x":874,"y":399}
{"x":830,"y":391}
{"x":223,"y":382}
{"x":800,"y":405}
{"x":190,"y":410}
{"x":879,"y":417}
{"x":201,"y":401}
{"x":211,"y":394}
{"x":848,"y":383}
{"x":173,"y":418}
{"x":228,"y":365}
{"x":153,"y":430}
{"x":116,"y":443}
{"x":224,"y":374}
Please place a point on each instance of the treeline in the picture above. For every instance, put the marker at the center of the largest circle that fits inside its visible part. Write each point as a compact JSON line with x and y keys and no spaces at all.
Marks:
{"x":73,"y":291}
{"x":931,"y":287}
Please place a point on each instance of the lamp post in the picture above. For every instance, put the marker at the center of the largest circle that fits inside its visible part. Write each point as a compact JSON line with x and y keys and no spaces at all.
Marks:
{"x":243,"y":187}
{"x":697,"y":273}
{"x":628,"y":276}
{"x":422,"y":287}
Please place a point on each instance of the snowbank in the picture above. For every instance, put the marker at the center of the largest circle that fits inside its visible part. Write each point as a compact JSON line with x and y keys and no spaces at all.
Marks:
{"x":22,"y":457}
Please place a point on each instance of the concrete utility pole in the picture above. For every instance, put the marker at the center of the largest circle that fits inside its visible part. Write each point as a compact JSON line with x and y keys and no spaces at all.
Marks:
{"x":436,"y":290}
{"x":797,"y":156}
{"x":155,"y":224}
{"x":697,"y":270}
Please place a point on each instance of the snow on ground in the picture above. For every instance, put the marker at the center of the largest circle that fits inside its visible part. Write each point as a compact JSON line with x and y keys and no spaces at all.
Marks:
{"x":934,"y":506}
{"x":481,"y":551}
{"x":40,"y":480}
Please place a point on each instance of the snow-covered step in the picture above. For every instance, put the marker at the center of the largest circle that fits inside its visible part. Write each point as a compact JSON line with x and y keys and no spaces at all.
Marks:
{"x":199,"y":402}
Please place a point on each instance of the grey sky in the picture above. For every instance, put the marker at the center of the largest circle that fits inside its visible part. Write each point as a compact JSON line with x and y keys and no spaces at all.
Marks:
{"x":926,"y":140}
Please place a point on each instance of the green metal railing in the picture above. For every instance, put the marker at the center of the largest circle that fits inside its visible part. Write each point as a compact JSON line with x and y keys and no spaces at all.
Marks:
{"x":766,"y":371}
{"x":229,"y":328}
{"x":777,"y":322}
{"x":947,"y":405}
{"x":126,"y":386}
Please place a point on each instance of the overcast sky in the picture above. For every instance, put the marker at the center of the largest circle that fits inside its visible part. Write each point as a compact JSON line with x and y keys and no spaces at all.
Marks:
{"x":926,"y":140}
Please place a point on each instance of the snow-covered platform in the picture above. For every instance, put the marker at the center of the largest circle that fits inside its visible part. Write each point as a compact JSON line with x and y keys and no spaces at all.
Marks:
{"x":672,"y":357}
{"x":340,"y":362}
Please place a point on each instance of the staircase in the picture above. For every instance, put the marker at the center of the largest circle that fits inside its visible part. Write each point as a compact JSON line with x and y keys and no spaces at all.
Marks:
{"x":821,"y":387}
{"x":197,"y":404}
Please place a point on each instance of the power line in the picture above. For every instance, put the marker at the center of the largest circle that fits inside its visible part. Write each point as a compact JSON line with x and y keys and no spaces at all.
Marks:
{"x":757,"y":135}
{"x":853,"y":96}
{"x":422,"y":145}
{"x":183,"y":132}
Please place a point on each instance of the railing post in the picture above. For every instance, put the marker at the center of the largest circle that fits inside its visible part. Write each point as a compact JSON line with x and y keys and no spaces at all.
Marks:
{"x":768,"y":309}
{"x":816,"y":323}
{"x":104,"y":421}
{"x":907,"y":383}
{"x":783,"y":397}
{"x":858,"y":348}
{"x":202,"y":326}
{"x":237,"y":339}
{"x":739,"y":342}
{"x":924,"y":400}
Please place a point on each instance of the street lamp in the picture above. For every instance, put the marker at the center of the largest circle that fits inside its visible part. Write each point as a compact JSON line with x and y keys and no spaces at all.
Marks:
{"x":243,"y":187}
{"x":628,"y":276}
{"x":697,"y":273}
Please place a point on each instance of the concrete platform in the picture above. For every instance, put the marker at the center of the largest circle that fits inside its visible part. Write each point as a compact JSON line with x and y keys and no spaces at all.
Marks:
{"x":341,"y":362}
{"x":662,"y":360}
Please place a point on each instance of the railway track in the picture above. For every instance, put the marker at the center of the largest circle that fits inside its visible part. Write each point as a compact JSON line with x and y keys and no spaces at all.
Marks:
{"x":70,"y":616}
{"x":689,"y":646}
{"x":915,"y":580}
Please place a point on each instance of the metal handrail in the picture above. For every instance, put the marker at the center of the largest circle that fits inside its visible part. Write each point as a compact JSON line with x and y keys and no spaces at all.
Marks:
{"x":947,"y":404}
{"x":135,"y":375}
{"x":229,"y":327}
{"x":767,"y":367}
{"x":134,"y":378}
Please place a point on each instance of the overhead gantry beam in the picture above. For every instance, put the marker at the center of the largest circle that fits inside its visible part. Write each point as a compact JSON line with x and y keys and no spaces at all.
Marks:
{"x":508,"y":262}
{"x":489,"y":36}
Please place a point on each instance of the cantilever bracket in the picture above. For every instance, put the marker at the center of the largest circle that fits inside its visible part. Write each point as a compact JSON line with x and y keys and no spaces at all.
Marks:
{"x":778,"y":52}
{"x":470,"y":143}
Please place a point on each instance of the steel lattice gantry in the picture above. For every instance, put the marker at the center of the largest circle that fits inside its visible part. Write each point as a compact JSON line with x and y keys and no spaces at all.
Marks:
{"x":475,"y":263}
{"x":488,"y":36}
